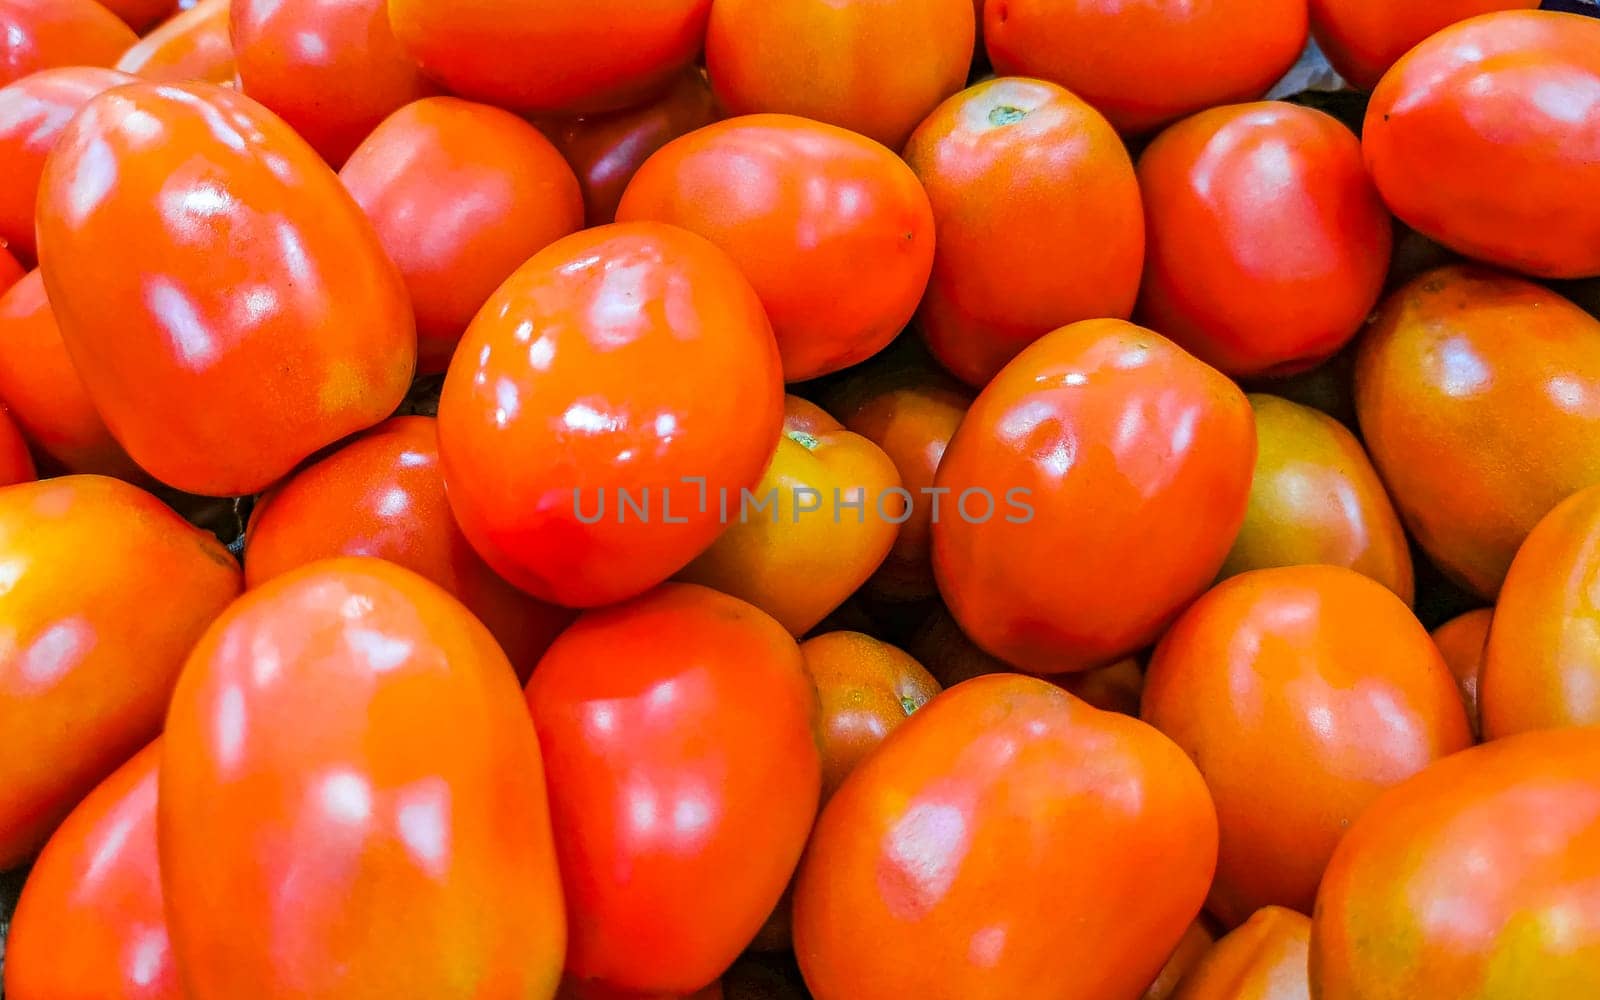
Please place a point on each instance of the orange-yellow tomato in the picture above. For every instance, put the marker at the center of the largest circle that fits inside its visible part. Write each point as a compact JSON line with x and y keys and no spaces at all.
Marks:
{"x":1462,"y":641}
{"x":107,"y":589}
{"x":258,"y":319}
{"x":1197,"y":941}
{"x":1264,"y":959}
{"x":194,"y":45}
{"x":16,"y":463}
{"x":45,"y":34}
{"x":1363,"y":38}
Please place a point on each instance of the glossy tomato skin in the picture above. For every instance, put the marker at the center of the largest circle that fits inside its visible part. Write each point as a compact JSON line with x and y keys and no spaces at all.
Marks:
{"x":1302,"y":692}
{"x":1148,"y":517}
{"x":1463,"y":641}
{"x":193,"y":45}
{"x":382,"y":495}
{"x":1363,"y":38}
{"x":1038,"y":217}
{"x":263,"y":320}
{"x":90,"y":925}
{"x":461,"y":194}
{"x":838,"y":284}
{"x":1317,"y":499}
{"x":684,"y":778}
{"x":1264,"y":959}
{"x":350,"y":732}
{"x":11,"y":271}
{"x":1469,"y":388}
{"x":620,"y":360}
{"x":45,"y":34}
{"x":830,"y":61}
{"x":1520,"y":815}
{"x":1504,"y":93}
{"x":140,"y":14}
{"x":965,"y":841}
{"x":551,"y":55}
{"x":1267,"y":245}
{"x":1150,"y":62}
{"x":95,"y":650}
{"x":16,"y":463}
{"x":1193,"y":947}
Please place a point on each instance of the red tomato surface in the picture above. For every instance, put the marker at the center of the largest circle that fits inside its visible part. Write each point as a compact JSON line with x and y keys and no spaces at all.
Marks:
{"x":258,"y":318}
{"x":16,"y":463}
{"x":44,"y":34}
{"x":106,"y":590}
{"x":194,"y":45}
{"x":684,"y":776}
{"x":1507,"y":102}
{"x":614,"y":366}
{"x":140,"y":14}
{"x":1126,"y":453}
{"x":461,"y":195}
{"x":11,"y":271}
{"x":1363,"y":38}
{"x":948,"y":863}
{"x":347,"y":741}
{"x":1265,"y":959}
{"x":1462,"y":641}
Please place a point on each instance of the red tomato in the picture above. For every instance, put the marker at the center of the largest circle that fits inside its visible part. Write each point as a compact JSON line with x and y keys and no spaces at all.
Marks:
{"x":553,"y":55}
{"x":106,"y":591}
{"x":838,"y":283}
{"x":1039,"y":223}
{"x":16,"y":464}
{"x":1005,"y":810}
{"x":1265,"y":959}
{"x":194,"y":45}
{"x":349,"y":737}
{"x":89,"y":925}
{"x":1148,"y":62}
{"x":1267,"y":244}
{"x":684,"y":777}
{"x":1363,"y":38}
{"x":44,"y":34}
{"x":140,"y":14}
{"x":626,"y":365}
{"x":1506,"y":102}
{"x":461,"y":194}
{"x":1108,"y":442}
{"x":1462,"y":643}
{"x":263,"y":321}
{"x":11,"y":271}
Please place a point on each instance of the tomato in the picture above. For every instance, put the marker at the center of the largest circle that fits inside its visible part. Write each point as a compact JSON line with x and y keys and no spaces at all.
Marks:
{"x":1267,"y":244}
{"x":140,"y":14}
{"x":1477,"y":878}
{"x":1316,"y":499}
{"x":194,"y":45}
{"x":1148,"y":62}
{"x":45,"y":34}
{"x":33,"y":112}
{"x":1462,"y":641}
{"x":89,"y":925}
{"x":1193,"y":947}
{"x":1302,"y":693}
{"x":634,"y":375}
{"x":93,"y":645}
{"x":553,"y":55}
{"x":349,"y":734}
{"x":876,"y":67}
{"x":263,"y":321}
{"x":998,"y":814}
{"x":838,"y":284}
{"x":684,"y":777}
{"x":1471,"y":389}
{"x":1038,"y":217}
{"x":16,"y":463}
{"x":461,"y":195}
{"x":816,"y":528}
{"x":11,"y":271}
{"x":572,"y":989}
{"x":1264,"y":959}
{"x":382,"y":495}
{"x":1363,"y":38}
{"x":1147,"y":512}
{"x":1507,"y":101}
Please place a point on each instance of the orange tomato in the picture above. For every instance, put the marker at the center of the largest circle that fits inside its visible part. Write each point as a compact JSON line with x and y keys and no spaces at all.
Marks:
{"x":1267,"y":245}
{"x":1265,"y":959}
{"x":633,"y":372}
{"x":261,"y":321}
{"x":1506,"y":99}
{"x":876,"y":67}
{"x":1150,"y":62}
{"x":16,"y":463}
{"x":1363,"y":38}
{"x":93,"y":646}
{"x":194,"y":45}
{"x":140,"y":14}
{"x":1462,"y":642}
{"x":1196,"y":942}
{"x":1002,"y":811}
{"x":461,"y":195}
{"x":45,"y":34}
{"x":1038,"y":217}
{"x":838,"y":284}
{"x":11,"y":271}
{"x":1108,"y":442}
{"x":349,"y":734}
{"x":1302,"y":693}
{"x":1471,"y":389}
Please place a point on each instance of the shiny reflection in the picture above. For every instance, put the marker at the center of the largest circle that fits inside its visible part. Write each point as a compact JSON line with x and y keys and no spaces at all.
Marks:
{"x":393,"y":503}
{"x":346,"y":797}
{"x":180,"y":320}
{"x":382,"y":653}
{"x":56,"y":650}
{"x":229,"y":728}
{"x":1462,"y":373}
{"x":94,"y":175}
{"x":926,"y":848}
{"x":147,"y":956}
{"x":585,"y":419}
{"x":423,"y":820}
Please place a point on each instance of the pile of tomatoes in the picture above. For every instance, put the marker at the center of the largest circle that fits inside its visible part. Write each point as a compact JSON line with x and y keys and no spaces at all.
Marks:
{"x":756,"y":499}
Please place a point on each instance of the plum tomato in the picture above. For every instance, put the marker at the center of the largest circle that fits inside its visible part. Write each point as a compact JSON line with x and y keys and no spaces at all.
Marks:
{"x":1363,"y":38}
{"x":1462,"y":641}
{"x":194,"y":45}
{"x":1193,"y":947}
{"x":140,"y":14}
{"x":1264,"y":959}
{"x":46,"y":34}
{"x":16,"y":462}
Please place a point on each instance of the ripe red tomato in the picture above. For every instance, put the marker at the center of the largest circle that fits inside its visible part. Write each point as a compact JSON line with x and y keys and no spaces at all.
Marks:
{"x":684,"y":778}
{"x":1039,"y":222}
{"x":194,"y":45}
{"x":1265,"y":959}
{"x":634,"y":375}
{"x":998,"y":814}
{"x":16,"y":463}
{"x":45,"y":34}
{"x":94,"y":644}
{"x":140,"y":14}
{"x":1108,"y":442}
{"x":349,"y":738}
{"x":1506,"y":100}
{"x":263,"y":321}
{"x":838,"y":284}
{"x":1148,"y":62}
{"x":1267,"y":245}
{"x":1363,"y":38}
{"x":461,"y":195}
{"x":89,"y":925}
{"x":1194,"y":946}
{"x":1462,"y":641}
